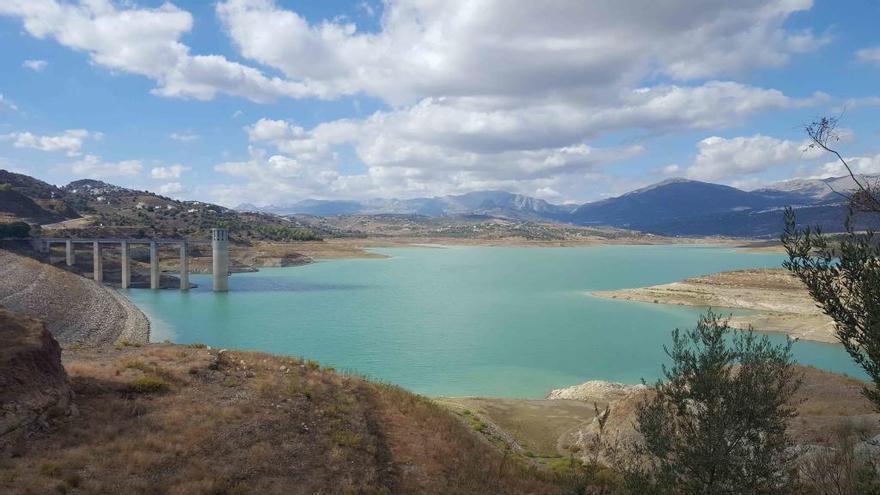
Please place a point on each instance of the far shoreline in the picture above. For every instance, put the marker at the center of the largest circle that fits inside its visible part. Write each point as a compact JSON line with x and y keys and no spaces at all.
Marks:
{"x":347,"y":248}
{"x":251,"y":258}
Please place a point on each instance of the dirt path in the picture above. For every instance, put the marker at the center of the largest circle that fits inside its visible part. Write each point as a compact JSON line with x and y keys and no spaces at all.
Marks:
{"x":75,"y":309}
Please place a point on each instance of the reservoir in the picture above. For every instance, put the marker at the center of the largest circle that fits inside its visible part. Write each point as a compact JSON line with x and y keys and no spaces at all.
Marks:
{"x":459,"y":321}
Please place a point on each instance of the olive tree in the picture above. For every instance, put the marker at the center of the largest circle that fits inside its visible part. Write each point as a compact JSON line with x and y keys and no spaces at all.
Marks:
{"x":717,"y":422}
{"x":843,"y":273}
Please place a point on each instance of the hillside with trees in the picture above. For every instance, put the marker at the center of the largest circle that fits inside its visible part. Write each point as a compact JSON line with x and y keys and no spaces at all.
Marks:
{"x":106,"y":210}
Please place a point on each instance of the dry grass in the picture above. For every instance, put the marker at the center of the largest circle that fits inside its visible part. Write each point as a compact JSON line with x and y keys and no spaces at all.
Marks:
{"x":535,"y":426}
{"x":825,"y":402}
{"x":441,"y":454}
{"x":183,"y":420}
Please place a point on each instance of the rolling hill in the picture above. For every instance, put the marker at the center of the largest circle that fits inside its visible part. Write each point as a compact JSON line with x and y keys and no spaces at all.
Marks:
{"x":25,"y":198}
{"x":108,"y":210}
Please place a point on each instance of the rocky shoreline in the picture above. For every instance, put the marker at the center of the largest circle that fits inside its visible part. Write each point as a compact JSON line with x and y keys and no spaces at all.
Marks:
{"x":596,"y":391}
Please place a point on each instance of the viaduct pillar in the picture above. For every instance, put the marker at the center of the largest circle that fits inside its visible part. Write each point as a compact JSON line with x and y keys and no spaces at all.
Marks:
{"x":97,"y":263}
{"x":184,"y":267}
{"x":154,"y":265}
{"x":124,"y":260}
{"x":220,"y":258}
{"x":71,"y":254}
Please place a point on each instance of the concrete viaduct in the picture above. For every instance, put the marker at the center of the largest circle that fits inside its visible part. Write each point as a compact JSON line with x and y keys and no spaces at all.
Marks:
{"x":219,"y":257}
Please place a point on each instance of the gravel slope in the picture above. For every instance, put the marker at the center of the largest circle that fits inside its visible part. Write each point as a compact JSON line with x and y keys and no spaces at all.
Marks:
{"x":75,"y":309}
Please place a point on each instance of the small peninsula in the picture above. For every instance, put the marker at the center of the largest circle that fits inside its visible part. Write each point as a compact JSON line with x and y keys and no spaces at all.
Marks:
{"x":775,"y":300}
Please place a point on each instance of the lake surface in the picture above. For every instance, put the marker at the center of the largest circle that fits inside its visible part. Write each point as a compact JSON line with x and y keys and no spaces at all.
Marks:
{"x":488,"y":321}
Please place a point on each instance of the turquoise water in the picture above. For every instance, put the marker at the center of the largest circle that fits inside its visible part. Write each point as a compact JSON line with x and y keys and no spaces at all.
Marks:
{"x":489,"y":321}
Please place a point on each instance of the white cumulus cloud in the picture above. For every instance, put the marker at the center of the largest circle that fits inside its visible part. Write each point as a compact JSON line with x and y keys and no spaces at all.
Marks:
{"x":184,"y":137}
{"x":171,"y":188}
{"x":671,"y":169}
{"x":35,"y":65}
{"x":871,"y":55}
{"x":69,"y":141}
{"x":171,"y":172}
{"x":463,"y":144}
{"x":869,"y":165}
{"x":146,"y":41}
{"x":721,"y":159}
{"x":7,"y":103}
{"x":530,"y":48}
{"x":93,"y":167}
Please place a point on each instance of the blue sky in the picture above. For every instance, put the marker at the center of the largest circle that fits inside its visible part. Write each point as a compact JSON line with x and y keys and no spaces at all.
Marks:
{"x":276,"y":101}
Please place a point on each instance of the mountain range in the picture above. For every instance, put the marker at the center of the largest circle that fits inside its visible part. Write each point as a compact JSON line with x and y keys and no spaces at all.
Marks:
{"x":675,"y":207}
{"x":490,"y":203}
{"x":678,"y":207}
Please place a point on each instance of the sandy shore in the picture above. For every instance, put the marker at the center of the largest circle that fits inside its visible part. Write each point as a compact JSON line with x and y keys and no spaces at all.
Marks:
{"x":75,"y":308}
{"x":778,"y":302}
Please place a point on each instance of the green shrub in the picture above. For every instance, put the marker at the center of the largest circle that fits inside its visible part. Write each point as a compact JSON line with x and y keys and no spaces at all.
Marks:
{"x":347,"y":439}
{"x":282,"y":233}
{"x":148,"y":385}
{"x":474,"y":421}
{"x":565,"y":465}
{"x":15,"y":229}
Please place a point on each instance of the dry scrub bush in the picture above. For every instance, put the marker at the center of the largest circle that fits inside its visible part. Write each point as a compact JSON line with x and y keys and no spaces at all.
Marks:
{"x":847,"y":467}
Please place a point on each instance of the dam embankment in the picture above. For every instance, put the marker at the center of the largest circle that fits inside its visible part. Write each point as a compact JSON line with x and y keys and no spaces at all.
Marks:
{"x":76,"y":310}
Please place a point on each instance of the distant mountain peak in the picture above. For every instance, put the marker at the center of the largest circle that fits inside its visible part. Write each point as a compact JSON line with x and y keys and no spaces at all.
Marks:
{"x":676,"y":181}
{"x":250,"y":207}
{"x":495,"y":203}
{"x":822,"y":189}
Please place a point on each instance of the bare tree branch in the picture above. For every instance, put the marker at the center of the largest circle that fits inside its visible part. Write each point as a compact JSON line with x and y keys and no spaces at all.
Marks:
{"x":823,"y":134}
